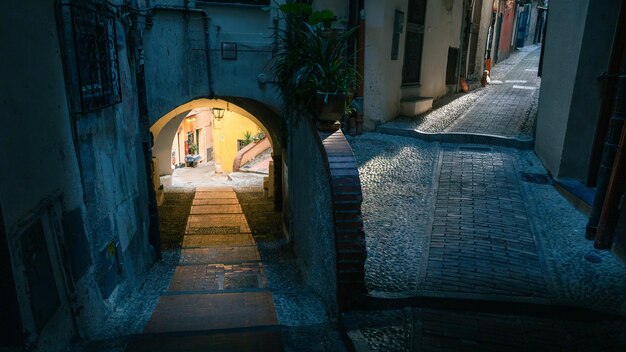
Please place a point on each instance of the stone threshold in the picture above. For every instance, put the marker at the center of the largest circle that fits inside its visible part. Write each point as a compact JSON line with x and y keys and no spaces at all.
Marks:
{"x":459,"y":138}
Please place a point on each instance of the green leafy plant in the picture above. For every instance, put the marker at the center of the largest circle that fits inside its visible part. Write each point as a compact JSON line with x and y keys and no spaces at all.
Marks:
{"x":247,"y":138}
{"x":259,"y":136}
{"x":193,"y":148}
{"x":311,"y":57}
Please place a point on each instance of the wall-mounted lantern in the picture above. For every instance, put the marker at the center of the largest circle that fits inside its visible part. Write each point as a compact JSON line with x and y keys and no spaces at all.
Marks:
{"x":218,"y":113}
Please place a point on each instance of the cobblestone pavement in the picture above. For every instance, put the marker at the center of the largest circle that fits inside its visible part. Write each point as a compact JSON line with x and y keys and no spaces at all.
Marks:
{"x":397,"y":180}
{"x":476,"y":222}
{"x":423,"y":329}
{"x":500,"y":255}
{"x":507,"y":107}
{"x":480,"y":242}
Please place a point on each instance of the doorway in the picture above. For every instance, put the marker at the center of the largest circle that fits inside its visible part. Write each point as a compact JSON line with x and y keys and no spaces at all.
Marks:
{"x":414,"y":42}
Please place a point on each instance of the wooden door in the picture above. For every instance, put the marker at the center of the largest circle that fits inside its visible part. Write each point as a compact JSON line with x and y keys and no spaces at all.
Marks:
{"x":414,"y":42}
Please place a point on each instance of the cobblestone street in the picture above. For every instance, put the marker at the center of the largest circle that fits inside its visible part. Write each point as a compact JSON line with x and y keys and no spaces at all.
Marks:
{"x":505,"y":108}
{"x":509,"y":106}
{"x":479,"y":224}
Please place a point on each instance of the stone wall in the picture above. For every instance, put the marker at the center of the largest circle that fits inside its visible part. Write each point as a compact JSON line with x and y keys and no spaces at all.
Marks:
{"x":310,"y":211}
{"x":175,"y":44}
{"x":74,"y":190}
{"x":577,"y":47}
{"x":383,"y":76}
{"x":346,"y":195}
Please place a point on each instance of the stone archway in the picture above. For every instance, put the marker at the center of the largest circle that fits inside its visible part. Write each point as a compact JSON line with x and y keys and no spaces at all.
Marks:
{"x":165,"y":128}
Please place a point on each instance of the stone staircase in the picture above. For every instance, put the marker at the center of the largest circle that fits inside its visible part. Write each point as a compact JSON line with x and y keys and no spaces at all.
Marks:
{"x":415,"y":106}
{"x":219,"y":290}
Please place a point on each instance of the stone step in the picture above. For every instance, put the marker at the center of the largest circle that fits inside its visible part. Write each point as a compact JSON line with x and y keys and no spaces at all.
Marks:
{"x":215,"y":195}
{"x":415,"y":106}
{"x":209,"y":277}
{"x":219,"y":255}
{"x":218,"y":240}
{"x":216,"y":223}
{"x":264,"y":338}
{"x":216,"y":209}
{"x":198,"y":312}
{"x":215,"y":201}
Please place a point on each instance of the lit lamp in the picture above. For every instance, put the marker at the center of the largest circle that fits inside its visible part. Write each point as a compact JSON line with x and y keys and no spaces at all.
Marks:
{"x":218,"y":113}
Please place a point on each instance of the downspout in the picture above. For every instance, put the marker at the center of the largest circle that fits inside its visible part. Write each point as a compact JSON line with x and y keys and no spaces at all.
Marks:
{"x":490,"y":34}
{"x":360,"y":66}
{"x":207,"y":37}
{"x":610,"y":101}
{"x":154,"y":236}
{"x":466,"y":27}
{"x":608,"y":91}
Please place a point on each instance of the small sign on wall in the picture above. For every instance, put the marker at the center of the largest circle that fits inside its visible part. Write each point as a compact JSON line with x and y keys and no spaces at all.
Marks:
{"x":229,"y":51}
{"x":398,"y":28}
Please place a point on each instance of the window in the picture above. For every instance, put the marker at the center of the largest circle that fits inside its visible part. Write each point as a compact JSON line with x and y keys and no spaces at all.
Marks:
{"x":96,"y":59}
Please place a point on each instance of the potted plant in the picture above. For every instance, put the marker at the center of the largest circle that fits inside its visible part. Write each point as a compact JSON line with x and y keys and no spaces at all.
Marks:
{"x":311,"y":65}
{"x":193,"y":148}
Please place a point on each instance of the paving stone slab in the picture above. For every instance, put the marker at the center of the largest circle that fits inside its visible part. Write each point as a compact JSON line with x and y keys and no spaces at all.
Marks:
{"x":214,"y":189}
{"x":247,"y":341}
{"x":228,"y":223}
{"x":215,"y":201}
{"x":216,"y":209}
{"x":217,"y":277}
{"x":218,"y":240}
{"x":215,"y":195}
{"x":477,"y":249}
{"x":198,"y":312}
{"x":189,"y":256}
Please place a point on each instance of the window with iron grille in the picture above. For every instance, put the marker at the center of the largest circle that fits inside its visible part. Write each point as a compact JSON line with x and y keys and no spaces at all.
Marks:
{"x":96,"y":59}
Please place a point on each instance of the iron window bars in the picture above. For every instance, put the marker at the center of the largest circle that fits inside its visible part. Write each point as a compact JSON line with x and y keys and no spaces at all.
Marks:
{"x":96,"y":59}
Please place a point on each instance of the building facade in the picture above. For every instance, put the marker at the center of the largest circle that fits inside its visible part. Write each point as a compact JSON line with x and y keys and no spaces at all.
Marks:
{"x":581,"y":99}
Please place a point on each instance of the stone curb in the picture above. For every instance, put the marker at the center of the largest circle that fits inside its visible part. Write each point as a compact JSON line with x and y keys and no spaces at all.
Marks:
{"x":460,"y":138}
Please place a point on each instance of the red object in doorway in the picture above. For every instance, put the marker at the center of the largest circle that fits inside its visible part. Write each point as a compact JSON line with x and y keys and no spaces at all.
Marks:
{"x":506,"y":31}
{"x":186,"y":147}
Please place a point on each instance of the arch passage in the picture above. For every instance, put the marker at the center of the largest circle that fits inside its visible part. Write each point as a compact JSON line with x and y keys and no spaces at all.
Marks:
{"x":165,"y":129}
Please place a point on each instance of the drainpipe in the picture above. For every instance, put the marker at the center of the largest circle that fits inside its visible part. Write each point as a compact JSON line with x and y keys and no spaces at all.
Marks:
{"x":207,"y":38}
{"x":613,"y":127}
{"x":360,"y":66}
{"x":608,"y":92}
{"x":136,"y":41}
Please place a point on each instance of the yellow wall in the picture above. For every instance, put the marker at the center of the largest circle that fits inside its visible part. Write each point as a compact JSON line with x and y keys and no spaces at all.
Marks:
{"x":225,"y":135}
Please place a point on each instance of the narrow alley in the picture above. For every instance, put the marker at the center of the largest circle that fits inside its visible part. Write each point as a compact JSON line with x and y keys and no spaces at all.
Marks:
{"x":480,"y":233}
{"x":477,"y":228}
{"x":313,"y":175}
{"x":506,"y":108}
